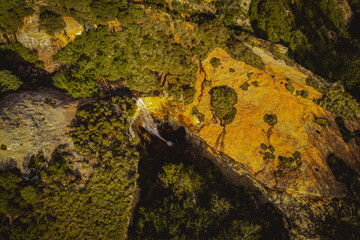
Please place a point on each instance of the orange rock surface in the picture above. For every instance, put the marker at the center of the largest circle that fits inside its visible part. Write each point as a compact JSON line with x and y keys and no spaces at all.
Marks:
{"x":296,"y":129}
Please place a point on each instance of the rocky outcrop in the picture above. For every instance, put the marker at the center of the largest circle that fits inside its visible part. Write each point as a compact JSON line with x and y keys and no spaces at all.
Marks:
{"x":302,"y":191}
{"x":33,"y":122}
{"x":46,"y":45}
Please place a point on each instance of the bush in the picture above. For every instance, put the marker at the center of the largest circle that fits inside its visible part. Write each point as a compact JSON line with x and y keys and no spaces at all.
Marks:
{"x":12,"y":14}
{"x":302,"y":93}
{"x":255,"y":83}
{"x":270,"y":119}
{"x":338,"y":101}
{"x":324,"y":122}
{"x":215,"y":62}
{"x":51,"y":22}
{"x":8,"y":81}
{"x":222,"y":103}
{"x":180,"y":180}
{"x":198,"y":114}
{"x":289,"y":87}
{"x":245,"y":86}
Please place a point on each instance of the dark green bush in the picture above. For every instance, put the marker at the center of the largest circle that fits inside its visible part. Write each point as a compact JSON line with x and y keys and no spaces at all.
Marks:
{"x":215,"y":62}
{"x":207,"y":83}
{"x":3,"y":147}
{"x":338,"y":101}
{"x":289,"y":87}
{"x":270,"y":119}
{"x":51,"y":22}
{"x":231,"y":70}
{"x":255,"y":83}
{"x":268,"y":156}
{"x":303,"y":93}
{"x":245,"y":86}
{"x":12,"y":14}
{"x":263,"y":146}
{"x":222,"y":102}
{"x":271,"y":148}
{"x":198,"y":114}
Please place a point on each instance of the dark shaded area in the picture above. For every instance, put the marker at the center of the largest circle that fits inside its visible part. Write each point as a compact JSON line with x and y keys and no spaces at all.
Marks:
{"x":29,"y":73}
{"x":341,"y":171}
{"x":215,"y":210}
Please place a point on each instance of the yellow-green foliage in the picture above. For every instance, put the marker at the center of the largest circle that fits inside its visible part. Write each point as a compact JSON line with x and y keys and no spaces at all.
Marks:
{"x":338,"y":101}
{"x":180,"y":180}
{"x":222,"y":102}
{"x":8,"y":81}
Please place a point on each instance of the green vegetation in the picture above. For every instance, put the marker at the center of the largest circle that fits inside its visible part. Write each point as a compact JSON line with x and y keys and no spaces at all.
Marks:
{"x":263,"y":146}
{"x":245,"y":86}
{"x":255,"y":83}
{"x":207,"y":83}
{"x":289,"y":87}
{"x":136,"y":57}
{"x":338,"y":101}
{"x":317,"y":84}
{"x":239,"y":51}
{"x":12,"y":14}
{"x":63,"y":204}
{"x":268,"y":155}
{"x":231,"y":70}
{"x":184,"y":197}
{"x":215,"y":62}
{"x":51,"y":22}
{"x":198,"y":114}
{"x":3,"y":147}
{"x":290,"y":162}
{"x":321,"y":121}
{"x":316,"y":35}
{"x":8,"y":81}
{"x":270,"y":119}
{"x":222,"y":103}
{"x":302,"y":93}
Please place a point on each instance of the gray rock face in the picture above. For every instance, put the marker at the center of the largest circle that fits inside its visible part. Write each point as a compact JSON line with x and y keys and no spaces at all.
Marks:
{"x":31,"y":122}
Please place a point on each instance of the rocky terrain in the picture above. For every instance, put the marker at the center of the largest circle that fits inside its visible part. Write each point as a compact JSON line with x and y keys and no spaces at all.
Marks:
{"x":301,"y":193}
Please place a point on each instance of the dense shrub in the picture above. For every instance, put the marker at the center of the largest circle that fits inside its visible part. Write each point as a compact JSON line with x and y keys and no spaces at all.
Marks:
{"x":302,"y":93}
{"x":245,"y":86}
{"x":222,"y":103}
{"x":338,"y":101}
{"x":8,"y":81}
{"x":51,"y":22}
{"x":324,"y":122}
{"x":270,"y":119}
{"x":215,"y":62}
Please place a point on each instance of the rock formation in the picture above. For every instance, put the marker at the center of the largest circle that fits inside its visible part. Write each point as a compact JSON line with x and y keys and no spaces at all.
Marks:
{"x":301,"y":191}
{"x":33,"y":122}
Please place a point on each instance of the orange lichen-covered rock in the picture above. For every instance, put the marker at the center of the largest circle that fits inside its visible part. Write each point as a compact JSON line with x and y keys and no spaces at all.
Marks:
{"x":47,"y":45}
{"x":311,"y":179}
